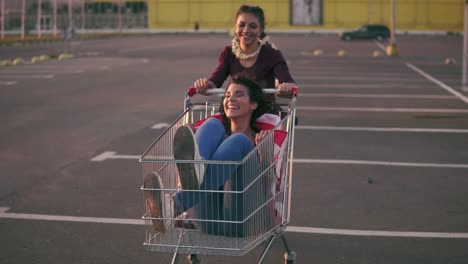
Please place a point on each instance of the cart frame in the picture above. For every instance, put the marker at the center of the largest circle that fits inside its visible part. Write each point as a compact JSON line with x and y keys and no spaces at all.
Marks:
{"x":262,"y":224}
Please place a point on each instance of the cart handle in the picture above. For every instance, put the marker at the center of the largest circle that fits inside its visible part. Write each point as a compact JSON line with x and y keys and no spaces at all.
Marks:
{"x":192,"y":91}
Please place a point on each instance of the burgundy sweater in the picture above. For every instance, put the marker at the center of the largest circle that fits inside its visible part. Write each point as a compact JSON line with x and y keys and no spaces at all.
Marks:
{"x":270,"y":64}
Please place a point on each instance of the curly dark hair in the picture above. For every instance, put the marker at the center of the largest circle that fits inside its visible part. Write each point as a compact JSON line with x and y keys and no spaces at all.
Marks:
{"x":256,"y":95}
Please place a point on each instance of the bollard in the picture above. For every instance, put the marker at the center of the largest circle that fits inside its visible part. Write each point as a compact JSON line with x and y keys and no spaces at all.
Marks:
{"x":65,"y":56}
{"x":18,"y":61}
{"x":392,"y":50}
{"x":35,"y":59}
{"x":449,"y":61}
{"x":44,"y":57}
{"x":317,"y":52}
{"x":376,"y":54}
{"x":6,"y":63}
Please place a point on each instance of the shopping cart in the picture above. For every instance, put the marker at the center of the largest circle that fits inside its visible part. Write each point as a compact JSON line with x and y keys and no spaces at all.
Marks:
{"x":232,"y":220}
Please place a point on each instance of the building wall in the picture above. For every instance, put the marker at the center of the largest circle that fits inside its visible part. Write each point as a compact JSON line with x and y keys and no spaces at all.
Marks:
{"x":440,"y":15}
{"x":212,"y":14}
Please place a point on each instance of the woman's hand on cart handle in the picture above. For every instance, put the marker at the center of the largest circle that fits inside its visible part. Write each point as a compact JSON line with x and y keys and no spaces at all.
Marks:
{"x":287,"y":89}
{"x":202,"y":85}
{"x":193,"y":91}
{"x":294,"y":91}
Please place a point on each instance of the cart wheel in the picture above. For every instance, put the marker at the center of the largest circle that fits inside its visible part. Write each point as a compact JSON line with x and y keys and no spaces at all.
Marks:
{"x":193,"y":259}
{"x":289,"y":258}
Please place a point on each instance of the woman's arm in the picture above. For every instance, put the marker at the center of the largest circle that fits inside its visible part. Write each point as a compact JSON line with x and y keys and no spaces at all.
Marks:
{"x":202,"y":84}
{"x":218,"y":76}
{"x":285,"y":89}
{"x":282,"y":74}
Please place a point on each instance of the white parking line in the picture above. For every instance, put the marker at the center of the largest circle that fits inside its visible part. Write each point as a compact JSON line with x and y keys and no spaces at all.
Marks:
{"x":363,"y":78}
{"x":295,"y":229}
{"x":103,"y":156}
{"x":351,"y":232}
{"x":33,"y":76}
{"x":352,"y":71}
{"x":381,"y":109}
{"x":356,"y":95}
{"x":361,"y":86}
{"x":41,"y":70}
{"x":381,"y":46}
{"x":7,"y":83}
{"x":384,"y":129}
{"x":349,"y":72}
{"x":101,"y":220}
{"x":441,"y":84}
{"x":112,"y":155}
{"x":109,"y":155}
{"x":382,"y":163}
{"x":73,"y":68}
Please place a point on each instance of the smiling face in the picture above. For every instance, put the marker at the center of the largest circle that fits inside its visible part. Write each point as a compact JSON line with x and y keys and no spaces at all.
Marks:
{"x":248,"y":29}
{"x":237,"y":102}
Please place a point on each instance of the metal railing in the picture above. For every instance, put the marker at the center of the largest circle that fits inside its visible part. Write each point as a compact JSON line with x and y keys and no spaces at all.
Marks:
{"x":56,"y":17}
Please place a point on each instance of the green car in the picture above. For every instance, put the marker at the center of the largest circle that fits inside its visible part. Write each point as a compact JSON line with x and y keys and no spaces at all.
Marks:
{"x":378,"y":32}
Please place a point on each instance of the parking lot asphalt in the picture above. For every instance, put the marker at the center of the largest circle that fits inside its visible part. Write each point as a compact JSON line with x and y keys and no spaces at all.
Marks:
{"x":381,"y":148}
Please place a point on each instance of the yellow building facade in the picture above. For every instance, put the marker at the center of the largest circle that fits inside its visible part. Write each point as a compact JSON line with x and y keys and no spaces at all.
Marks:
{"x":411,"y":15}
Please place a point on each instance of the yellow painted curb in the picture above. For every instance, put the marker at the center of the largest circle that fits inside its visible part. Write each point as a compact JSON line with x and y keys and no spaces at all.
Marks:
{"x":6,"y":63}
{"x":35,"y":59}
{"x":18,"y":61}
{"x":44,"y":57}
{"x":392,"y":50}
{"x":317,"y":52}
{"x":65,"y":56}
{"x":376,"y":54}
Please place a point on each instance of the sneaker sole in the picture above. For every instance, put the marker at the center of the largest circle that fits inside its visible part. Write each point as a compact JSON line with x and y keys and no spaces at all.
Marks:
{"x":184,"y":149}
{"x":153,"y":200}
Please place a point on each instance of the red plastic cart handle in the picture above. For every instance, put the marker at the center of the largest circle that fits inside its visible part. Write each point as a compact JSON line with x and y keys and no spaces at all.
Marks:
{"x":191,"y":91}
{"x":295,"y":90}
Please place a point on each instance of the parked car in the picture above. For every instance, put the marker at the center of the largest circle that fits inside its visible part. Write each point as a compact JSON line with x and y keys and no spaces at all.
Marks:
{"x":378,"y":32}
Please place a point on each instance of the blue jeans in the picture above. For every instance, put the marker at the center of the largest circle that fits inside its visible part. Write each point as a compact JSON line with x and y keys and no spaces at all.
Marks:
{"x":214,"y":145}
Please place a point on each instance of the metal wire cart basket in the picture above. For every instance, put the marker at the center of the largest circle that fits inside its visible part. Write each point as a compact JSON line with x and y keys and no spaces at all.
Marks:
{"x":251,"y":209}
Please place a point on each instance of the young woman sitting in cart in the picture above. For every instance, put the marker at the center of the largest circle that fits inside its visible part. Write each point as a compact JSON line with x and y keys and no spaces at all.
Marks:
{"x":217,"y":191}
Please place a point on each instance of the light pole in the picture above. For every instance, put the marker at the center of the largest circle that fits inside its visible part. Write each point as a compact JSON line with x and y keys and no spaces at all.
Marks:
{"x":55,"y":18}
{"x":371,"y":12}
{"x":3,"y":19}
{"x":23,"y":14}
{"x":39,"y":15}
{"x":70,"y":14}
{"x":119,"y":15}
{"x":464,"y":87}
{"x":392,"y":47}
{"x":82,"y":14}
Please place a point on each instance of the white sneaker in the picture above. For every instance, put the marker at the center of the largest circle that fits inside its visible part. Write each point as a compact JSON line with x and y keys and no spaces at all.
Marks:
{"x":161,"y":206}
{"x":185,"y":150}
